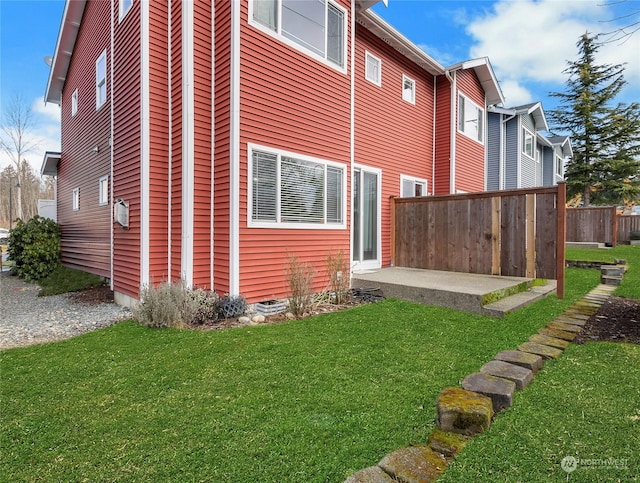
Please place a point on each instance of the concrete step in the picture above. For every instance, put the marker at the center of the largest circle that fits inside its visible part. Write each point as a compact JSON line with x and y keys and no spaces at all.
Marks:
{"x":516,"y":301}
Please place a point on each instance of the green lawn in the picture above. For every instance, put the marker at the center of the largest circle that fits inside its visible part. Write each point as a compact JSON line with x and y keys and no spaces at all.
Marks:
{"x":309,"y":400}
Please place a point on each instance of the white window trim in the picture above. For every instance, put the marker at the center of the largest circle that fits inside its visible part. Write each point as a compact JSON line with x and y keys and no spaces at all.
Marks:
{"x":415,"y":180}
{"x":559,"y":165}
{"x":75,"y":199}
{"x":278,"y":224}
{"x":484,"y":120}
{"x":378,"y":80}
{"x":124,"y":9}
{"x":412,"y":100}
{"x":103,"y":200}
{"x":526,"y":132}
{"x":100,"y":82}
{"x":276,"y":34}
{"x":74,"y":103}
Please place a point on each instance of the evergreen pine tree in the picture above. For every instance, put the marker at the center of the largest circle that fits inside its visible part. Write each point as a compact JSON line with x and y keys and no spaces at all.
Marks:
{"x":605,"y":167}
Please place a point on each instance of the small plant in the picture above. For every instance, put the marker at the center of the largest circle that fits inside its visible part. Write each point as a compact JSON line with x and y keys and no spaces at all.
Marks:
{"x":300,"y":276}
{"x":208,"y":307}
{"x":167,"y":305}
{"x":338,"y":269}
{"x":34,"y":247}
{"x":232,"y":306}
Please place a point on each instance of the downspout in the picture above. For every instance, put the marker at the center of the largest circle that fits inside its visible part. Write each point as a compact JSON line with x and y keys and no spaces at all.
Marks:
{"x":352,"y":134}
{"x":188,"y":141}
{"x":234,"y":182}
{"x":170,"y":142}
{"x":213,"y":128}
{"x":433,"y":143}
{"x":144,"y":143}
{"x":111,"y":127}
{"x":452,"y":152}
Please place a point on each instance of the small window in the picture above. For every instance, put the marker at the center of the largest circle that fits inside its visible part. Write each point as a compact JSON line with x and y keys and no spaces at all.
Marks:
{"x":373,"y":69}
{"x":125,"y":5}
{"x":76,"y":199}
{"x":470,"y":119}
{"x":295,"y":191}
{"x":103,"y":190}
{"x":317,"y":26}
{"x":74,"y":102}
{"x":559,"y":166}
{"x":408,"y":89}
{"x":538,"y":154}
{"x":410,"y":186}
{"x":527,"y":142}
{"x":101,"y":80}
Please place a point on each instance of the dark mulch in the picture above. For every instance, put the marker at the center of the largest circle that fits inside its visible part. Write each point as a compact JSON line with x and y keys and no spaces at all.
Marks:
{"x":93,"y":296}
{"x":618,"y":320}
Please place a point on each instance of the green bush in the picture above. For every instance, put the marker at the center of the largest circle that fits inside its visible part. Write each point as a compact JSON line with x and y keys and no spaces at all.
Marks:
{"x":34,"y":247}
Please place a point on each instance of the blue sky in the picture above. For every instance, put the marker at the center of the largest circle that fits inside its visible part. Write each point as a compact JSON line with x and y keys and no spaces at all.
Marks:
{"x":527,"y":41}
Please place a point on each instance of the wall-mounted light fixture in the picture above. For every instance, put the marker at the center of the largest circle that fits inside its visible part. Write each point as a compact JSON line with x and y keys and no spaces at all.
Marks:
{"x":95,"y":150}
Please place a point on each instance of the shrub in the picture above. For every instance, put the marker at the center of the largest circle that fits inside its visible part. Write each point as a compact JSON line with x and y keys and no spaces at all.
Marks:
{"x":34,"y":247}
{"x":208,"y":307}
{"x":167,"y":305}
{"x":338,"y":269}
{"x":300,"y":276}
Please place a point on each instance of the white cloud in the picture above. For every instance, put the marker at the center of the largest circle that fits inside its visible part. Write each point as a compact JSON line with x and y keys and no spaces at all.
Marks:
{"x":515,"y":94}
{"x":532,"y":40}
{"x":44,"y":135}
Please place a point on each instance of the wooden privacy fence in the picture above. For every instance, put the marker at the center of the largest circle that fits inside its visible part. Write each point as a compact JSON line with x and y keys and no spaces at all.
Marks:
{"x":626,"y":224}
{"x":592,"y":224}
{"x":600,"y":224}
{"x":511,"y":233}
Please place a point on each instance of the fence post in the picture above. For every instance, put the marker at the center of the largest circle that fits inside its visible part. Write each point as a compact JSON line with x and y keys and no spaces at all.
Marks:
{"x":392,"y":220}
{"x":614,"y":227}
{"x":561,"y":202}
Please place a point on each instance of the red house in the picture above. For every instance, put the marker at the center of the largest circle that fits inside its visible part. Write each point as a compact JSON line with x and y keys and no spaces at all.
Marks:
{"x":207,"y":141}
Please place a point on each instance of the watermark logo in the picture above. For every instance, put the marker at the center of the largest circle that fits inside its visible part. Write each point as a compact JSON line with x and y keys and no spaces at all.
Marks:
{"x":571,"y":463}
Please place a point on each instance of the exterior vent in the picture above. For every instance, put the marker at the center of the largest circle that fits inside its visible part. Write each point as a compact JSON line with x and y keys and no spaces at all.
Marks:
{"x":121,"y":213}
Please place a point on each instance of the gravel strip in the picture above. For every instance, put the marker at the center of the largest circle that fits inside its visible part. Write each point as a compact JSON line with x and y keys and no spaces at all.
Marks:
{"x":27,"y":319}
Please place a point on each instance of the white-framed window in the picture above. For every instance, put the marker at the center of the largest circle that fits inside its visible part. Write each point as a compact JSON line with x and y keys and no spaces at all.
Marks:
{"x":316,"y":26}
{"x":373,"y":68}
{"x":125,"y":5}
{"x":75,"y":199}
{"x":527,"y":142}
{"x":538,"y":154}
{"x":103,"y":190}
{"x":470,"y":118}
{"x":288,"y":190}
{"x":101,"y":79}
{"x":559,"y":166}
{"x":74,"y":103}
{"x":408,"y":89}
{"x":411,"y":186}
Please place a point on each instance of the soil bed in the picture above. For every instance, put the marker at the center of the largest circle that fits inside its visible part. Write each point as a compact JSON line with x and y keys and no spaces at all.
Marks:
{"x":618,"y":320}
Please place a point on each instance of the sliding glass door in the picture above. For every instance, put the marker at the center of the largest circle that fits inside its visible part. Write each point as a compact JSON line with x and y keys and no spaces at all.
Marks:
{"x":366,"y":218}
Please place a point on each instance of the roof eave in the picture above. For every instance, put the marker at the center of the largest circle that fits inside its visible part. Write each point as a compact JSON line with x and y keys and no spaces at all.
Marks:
{"x":381,"y":29}
{"x":69,"y":27}
{"x":50,"y":163}
{"x":486,"y":76}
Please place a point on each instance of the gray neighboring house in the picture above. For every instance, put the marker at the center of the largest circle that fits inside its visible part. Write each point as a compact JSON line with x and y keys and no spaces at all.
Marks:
{"x":519,"y":155}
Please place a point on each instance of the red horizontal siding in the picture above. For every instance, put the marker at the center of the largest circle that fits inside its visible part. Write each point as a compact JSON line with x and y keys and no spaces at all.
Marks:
{"x":292,"y":102}
{"x":126,"y":149}
{"x":176,"y":140}
{"x":470,"y":159}
{"x":87,"y":231}
{"x":391,"y":133}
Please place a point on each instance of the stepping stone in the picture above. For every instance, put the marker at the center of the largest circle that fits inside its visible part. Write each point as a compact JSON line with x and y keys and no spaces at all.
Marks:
{"x":565,"y":327}
{"x":576,"y":315}
{"x":557,"y":333}
{"x":464,"y":412}
{"x":540,"y":349}
{"x":446,"y":443}
{"x":373,"y":474}
{"x":529,"y":361}
{"x":550,"y":341}
{"x":498,"y":389}
{"x":415,"y":464}
{"x":568,"y":320}
{"x":518,"y":374}
{"x":611,"y":270}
